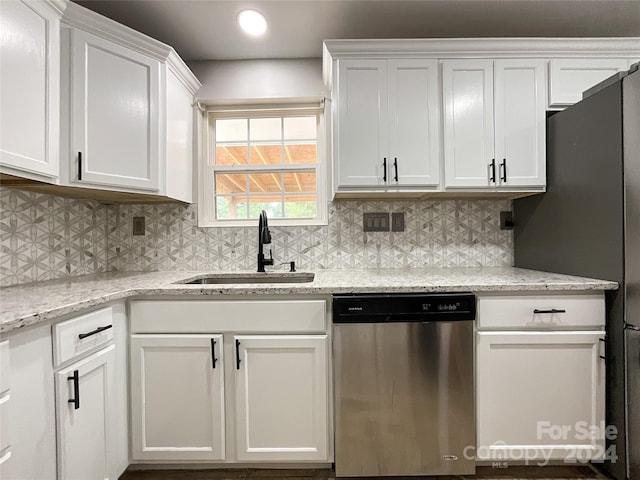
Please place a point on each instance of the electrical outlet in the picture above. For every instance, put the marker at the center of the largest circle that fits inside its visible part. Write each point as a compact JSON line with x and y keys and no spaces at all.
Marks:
{"x":375,"y":222}
{"x":138,"y":226}
{"x":397,"y":222}
{"x":506,"y":220}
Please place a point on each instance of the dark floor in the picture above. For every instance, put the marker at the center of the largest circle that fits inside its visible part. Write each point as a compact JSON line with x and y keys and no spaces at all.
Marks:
{"x":483,"y":473}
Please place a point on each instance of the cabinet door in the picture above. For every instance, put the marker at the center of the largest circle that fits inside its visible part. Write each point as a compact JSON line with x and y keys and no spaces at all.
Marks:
{"x":177,"y":397}
{"x":31,"y":426}
{"x":360,"y":143}
{"x":29,"y":89}
{"x":540,"y":394}
{"x":414,"y":122}
{"x":281,"y":386}
{"x":569,"y":77}
{"x":115,"y":118}
{"x":467,"y":90}
{"x":84,"y":397}
{"x":520,"y":122}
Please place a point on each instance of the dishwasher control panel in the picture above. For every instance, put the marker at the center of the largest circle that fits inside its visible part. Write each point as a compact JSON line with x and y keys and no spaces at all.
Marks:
{"x":403,"y":307}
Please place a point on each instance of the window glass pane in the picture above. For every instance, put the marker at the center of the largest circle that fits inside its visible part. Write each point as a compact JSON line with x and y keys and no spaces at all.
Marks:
{"x":231,"y":130}
{"x":266,"y":183}
{"x":265,"y":129}
{"x":231,"y":207}
{"x":230,"y":155}
{"x":301,"y":153}
{"x":300,"y":206}
{"x":266,"y":154}
{"x":227,"y":183}
{"x":300,"y":182}
{"x":257,"y":204}
{"x":300,"y":128}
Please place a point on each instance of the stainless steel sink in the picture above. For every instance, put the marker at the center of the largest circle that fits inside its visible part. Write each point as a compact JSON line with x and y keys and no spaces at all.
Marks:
{"x":233,"y":278}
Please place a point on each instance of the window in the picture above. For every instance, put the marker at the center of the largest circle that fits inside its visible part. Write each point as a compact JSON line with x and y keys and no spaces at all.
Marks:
{"x":264,"y":159}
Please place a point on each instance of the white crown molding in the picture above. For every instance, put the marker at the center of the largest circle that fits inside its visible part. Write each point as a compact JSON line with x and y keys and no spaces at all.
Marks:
{"x":182,"y":72}
{"x":487,"y":47}
{"x":89,"y":21}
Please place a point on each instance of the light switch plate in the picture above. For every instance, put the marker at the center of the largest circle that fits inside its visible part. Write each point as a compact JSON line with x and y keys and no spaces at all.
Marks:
{"x":397,"y":222}
{"x":138,"y":226}
{"x":375,"y":222}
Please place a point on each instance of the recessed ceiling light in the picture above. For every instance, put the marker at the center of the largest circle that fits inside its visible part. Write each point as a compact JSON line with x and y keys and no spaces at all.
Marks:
{"x":252,"y":22}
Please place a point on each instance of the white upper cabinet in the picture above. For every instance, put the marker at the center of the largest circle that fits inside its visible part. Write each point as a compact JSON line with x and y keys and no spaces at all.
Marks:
{"x":29,"y":89}
{"x":494,"y":123}
{"x":361,"y":138}
{"x":520,"y":123}
{"x":387,"y":124}
{"x":115,"y":102}
{"x":467,"y":87}
{"x":569,"y":77}
{"x":128,"y":115}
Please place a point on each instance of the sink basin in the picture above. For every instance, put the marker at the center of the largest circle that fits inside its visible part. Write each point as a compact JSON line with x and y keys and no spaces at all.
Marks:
{"x":234,"y":278}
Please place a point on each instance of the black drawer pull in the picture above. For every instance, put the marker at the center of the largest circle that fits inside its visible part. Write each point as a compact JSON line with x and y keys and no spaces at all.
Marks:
{"x":79,"y":166}
{"x":237,"y":354}
{"x":552,"y":310}
{"x":604,"y":343}
{"x":395,"y":165}
{"x":213,"y":353}
{"x":384,"y":169}
{"x":93,"y":332}
{"x":76,"y":390}
{"x":492,"y":168}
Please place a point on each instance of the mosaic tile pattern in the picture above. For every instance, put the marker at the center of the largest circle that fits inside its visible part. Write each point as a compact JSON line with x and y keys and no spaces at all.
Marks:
{"x":44,"y":237}
{"x":439,"y":233}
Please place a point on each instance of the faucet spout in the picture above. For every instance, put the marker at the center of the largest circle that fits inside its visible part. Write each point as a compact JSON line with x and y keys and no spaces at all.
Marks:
{"x":264,"y":237}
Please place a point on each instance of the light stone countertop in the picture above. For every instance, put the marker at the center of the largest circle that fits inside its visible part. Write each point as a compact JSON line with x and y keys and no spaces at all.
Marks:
{"x":34,"y":303}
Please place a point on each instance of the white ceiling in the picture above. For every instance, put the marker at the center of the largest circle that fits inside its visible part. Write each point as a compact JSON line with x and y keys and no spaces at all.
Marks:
{"x":207,"y":29}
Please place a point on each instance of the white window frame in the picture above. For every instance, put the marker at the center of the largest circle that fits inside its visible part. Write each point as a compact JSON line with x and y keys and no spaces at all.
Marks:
{"x":207,"y":167}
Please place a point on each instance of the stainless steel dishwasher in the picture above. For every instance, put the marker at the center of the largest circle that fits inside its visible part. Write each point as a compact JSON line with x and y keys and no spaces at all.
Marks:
{"x":404,"y":391}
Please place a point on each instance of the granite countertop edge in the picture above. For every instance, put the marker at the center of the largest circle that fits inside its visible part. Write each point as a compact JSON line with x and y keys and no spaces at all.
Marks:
{"x":31,"y":304}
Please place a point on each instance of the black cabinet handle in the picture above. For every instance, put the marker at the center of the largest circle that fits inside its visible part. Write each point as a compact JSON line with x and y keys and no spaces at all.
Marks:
{"x":384,"y":169}
{"x":395,"y":166}
{"x":492,"y":166}
{"x":76,"y":390}
{"x":503,"y":170}
{"x":93,"y":332}
{"x":552,"y":310}
{"x":604,"y":357}
{"x":79,"y":166}
{"x":213,"y":353}
{"x":237,"y":354}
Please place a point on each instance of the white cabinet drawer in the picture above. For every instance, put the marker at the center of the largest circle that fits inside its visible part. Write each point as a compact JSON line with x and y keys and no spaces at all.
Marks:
{"x":82,"y":334}
{"x":541,"y":312}
{"x":4,"y":367}
{"x":201,"y":316}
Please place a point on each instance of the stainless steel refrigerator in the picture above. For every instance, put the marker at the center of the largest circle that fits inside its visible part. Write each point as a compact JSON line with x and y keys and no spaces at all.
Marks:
{"x":588,"y":223}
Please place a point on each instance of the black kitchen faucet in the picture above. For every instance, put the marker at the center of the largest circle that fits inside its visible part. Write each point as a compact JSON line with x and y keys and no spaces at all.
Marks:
{"x":264,"y":237}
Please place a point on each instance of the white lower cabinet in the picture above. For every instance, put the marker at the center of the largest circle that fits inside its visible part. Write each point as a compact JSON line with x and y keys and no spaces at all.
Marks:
{"x":91,"y":395}
{"x":85,"y":401}
{"x":230,"y":396}
{"x":179,"y":382}
{"x":30,"y":428}
{"x":540,"y":392}
{"x":281,"y":397}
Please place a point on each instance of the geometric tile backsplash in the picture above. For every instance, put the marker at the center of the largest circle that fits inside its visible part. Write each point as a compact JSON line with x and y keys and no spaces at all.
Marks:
{"x":44,"y":237}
